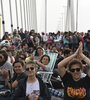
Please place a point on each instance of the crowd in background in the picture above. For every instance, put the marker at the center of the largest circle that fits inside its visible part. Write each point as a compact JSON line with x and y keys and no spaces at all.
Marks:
{"x":19,"y":48}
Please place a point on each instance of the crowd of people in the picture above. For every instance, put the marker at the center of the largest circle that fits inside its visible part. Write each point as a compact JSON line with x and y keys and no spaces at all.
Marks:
{"x":22,"y":55}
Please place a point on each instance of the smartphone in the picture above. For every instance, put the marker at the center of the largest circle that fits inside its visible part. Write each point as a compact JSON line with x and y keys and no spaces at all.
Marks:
{"x":36,"y":92}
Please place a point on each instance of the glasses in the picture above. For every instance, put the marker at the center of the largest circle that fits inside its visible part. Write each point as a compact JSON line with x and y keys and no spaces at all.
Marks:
{"x":76,"y":69}
{"x":31,"y":68}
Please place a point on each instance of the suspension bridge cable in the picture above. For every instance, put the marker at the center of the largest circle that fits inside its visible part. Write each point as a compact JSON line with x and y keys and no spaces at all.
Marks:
{"x":77,"y":17}
{"x":21,"y":14}
{"x":35,"y":22}
{"x":45,"y":16}
{"x":17,"y":14}
{"x":24,"y":14}
{"x":3,"y":22}
{"x":11,"y":16}
{"x":31,"y":13}
{"x":27,"y":14}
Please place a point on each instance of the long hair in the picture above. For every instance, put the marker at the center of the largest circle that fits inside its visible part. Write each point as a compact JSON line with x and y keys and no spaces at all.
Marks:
{"x":4,"y":53}
{"x":45,"y":56}
{"x":36,"y":53}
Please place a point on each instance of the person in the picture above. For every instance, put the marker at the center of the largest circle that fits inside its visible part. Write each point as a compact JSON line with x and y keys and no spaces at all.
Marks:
{"x":43,"y":63}
{"x":75,"y":87}
{"x":31,"y":87}
{"x":30,"y":39}
{"x":39,"y":53}
{"x":30,"y":56}
{"x":88,"y":41}
{"x":4,"y":66}
{"x":22,"y":35}
{"x":18,"y":74}
{"x":11,"y":58}
{"x":21,"y":57}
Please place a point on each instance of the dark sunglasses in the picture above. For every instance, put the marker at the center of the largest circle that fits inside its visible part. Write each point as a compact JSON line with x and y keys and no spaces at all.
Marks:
{"x":31,"y":68}
{"x":73,"y":70}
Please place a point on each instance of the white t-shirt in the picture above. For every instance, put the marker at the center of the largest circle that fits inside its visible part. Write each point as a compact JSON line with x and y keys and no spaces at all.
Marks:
{"x":44,"y":37}
{"x":32,"y":86}
{"x":47,"y":68}
{"x":31,"y":37}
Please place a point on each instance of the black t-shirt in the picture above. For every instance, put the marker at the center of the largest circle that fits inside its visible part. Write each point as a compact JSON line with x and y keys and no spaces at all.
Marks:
{"x":76,"y":90}
{"x":15,"y":77}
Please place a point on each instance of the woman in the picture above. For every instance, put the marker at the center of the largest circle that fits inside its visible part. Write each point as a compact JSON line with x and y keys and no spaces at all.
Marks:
{"x":38,"y":53}
{"x":43,"y":63}
{"x":32,"y":87}
{"x":76,"y":88}
{"x":18,"y":74}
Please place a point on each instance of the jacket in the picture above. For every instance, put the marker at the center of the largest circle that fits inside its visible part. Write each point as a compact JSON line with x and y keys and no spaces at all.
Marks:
{"x":20,"y":92}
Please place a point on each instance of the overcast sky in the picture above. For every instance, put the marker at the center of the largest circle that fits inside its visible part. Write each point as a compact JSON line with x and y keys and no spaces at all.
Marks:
{"x":56,"y":12}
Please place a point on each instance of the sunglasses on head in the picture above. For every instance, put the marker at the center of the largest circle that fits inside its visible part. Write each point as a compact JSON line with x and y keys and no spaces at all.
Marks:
{"x":76,"y":69}
{"x":31,"y":68}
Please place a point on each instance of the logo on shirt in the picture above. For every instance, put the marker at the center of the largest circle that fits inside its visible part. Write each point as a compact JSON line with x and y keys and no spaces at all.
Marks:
{"x":76,"y":93}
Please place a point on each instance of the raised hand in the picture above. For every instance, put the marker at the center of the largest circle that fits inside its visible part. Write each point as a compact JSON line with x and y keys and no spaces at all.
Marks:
{"x":80,"y":48}
{"x":5,"y":73}
{"x":79,"y":51}
{"x":76,"y":53}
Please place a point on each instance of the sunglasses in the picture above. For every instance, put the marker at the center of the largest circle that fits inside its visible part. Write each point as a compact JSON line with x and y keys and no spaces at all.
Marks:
{"x":31,"y":68}
{"x":73,"y":70}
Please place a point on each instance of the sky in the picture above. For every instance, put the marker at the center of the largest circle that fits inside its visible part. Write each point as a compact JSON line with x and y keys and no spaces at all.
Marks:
{"x":56,"y":15}
{"x":84,"y":15}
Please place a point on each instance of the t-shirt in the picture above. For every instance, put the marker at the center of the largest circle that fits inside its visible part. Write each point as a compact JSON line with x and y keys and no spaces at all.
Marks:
{"x":65,"y":40}
{"x":47,"y":68}
{"x":7,"y":66}
{"x":30,"y":87}
{"x":21,"y":76}
{"x":76,"y":90}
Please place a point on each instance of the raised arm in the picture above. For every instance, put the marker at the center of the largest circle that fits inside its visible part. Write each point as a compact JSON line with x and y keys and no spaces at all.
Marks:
{"x":40,"y":64}
{"x":63,"y":63}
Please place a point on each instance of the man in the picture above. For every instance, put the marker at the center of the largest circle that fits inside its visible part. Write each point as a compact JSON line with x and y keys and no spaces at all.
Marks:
{"x":32,"y":87}
{"x":4,"y":66}
{"x":76,"y":87}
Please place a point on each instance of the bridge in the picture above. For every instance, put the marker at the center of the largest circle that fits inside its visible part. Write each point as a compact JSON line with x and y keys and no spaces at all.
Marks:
{"x":16,"y":14}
